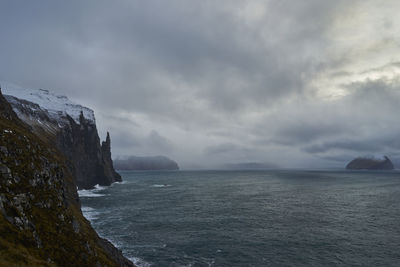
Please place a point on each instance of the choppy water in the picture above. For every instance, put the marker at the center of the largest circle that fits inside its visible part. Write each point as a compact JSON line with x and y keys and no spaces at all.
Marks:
{"x":251,"y":218}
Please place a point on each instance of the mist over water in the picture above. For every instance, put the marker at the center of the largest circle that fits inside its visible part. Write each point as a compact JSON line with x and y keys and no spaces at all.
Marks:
{"x":251,"y":218}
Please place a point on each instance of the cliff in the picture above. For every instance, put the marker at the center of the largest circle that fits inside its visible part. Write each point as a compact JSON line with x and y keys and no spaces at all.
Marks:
{"x":71,"y":128}
{"x":146,"y":163}
{"x":370,"y":164}
{"x":91,"y":163}
{"x":41,"y":223}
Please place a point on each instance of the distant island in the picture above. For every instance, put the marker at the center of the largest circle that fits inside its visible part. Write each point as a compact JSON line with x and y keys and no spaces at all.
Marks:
{"x":134,"y":163}
{"x":370,"y":164}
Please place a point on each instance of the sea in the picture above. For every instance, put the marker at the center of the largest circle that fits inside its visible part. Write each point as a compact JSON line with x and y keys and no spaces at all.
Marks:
{"x":251,"y":218}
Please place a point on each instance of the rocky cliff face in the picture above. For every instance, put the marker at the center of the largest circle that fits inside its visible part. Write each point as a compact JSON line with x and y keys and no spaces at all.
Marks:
{"x":91,"y":162}
{"x":71,"y":128}
{"x":40,"y":219}
{"x":370,"y":164}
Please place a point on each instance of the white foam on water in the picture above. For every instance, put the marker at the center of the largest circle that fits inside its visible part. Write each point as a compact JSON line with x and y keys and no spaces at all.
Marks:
{"x":150,"y":246}
{"x":92,"y":192}
{"x":123,"y":182}
{"x":86,"y":209}
{"x":89,"y":213}
{"x":139,"y":262}
{"x":98,"y":187}
{"x":89,"y":193}
{"x":161,"y":185}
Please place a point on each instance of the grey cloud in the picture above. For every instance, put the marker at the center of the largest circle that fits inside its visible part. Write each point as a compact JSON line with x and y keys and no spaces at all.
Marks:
{"x":306,"y":131}
{"x":220,"y":149}
{"x":371,"y":125}
{"x":125,"y":139}
{"x":158,"y":141}
{"x":351,"y":145}
{"x":340,"y":158}
{"x":134,"y":143}
{"x":132,"y":44}
{"x":205,"y":81}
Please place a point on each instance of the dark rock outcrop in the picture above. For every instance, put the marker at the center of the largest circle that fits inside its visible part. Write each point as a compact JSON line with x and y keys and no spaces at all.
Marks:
{"x":370,"y":164}
{"x":41,"y":223}
{"x":90,"y":163}
{"x":146,"y":163}
{"x":108,"y":162}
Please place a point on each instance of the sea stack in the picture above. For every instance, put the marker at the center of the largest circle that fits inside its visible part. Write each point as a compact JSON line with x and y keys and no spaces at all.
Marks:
{"x":370,"y":164}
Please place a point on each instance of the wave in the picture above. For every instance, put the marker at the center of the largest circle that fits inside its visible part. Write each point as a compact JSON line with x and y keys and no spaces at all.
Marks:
{"x":92,"y":192}
{"x":89,"y":193}
{"x":161,"y":185}
{"x":139,"y":262}
{"x":92,"y":214}
{"x":99,"y":187}
{"x":89,"y":213}
{"x":123,"y":182}
{"x":136,"y":260}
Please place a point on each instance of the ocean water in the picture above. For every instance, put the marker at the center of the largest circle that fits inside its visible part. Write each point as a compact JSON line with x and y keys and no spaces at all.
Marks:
{"x":251,"y":218}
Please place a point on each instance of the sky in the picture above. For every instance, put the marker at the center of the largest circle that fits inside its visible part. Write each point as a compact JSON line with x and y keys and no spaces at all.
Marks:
{"x":295,"y":84}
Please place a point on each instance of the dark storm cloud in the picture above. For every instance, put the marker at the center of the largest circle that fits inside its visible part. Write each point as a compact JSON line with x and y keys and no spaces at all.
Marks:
{"x":352,"y":145}
{"x":145,"y":50}
{"x":200,"y":80}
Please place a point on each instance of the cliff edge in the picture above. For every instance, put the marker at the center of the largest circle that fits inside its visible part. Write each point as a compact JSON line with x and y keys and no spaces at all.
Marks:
{"x":41,"y":223}
{"x":71,"y":128}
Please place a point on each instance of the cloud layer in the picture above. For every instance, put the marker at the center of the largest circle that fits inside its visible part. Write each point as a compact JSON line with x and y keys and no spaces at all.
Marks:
{"x":294,"y":83}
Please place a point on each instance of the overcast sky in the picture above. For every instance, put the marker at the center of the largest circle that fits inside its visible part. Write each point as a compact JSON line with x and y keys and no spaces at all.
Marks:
{"x":306,"y":83}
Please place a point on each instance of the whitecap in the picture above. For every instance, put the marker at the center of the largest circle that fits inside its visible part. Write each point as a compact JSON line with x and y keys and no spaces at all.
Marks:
{"x":123,"y":182}
{"x":87,"y":209}
{"x":98,"y":187}
{"x":161,"y":185}
{"x":89,"y":193}
{"x":89,"y":213}
{"x":139,"y":262}
{"x":92,"y":192}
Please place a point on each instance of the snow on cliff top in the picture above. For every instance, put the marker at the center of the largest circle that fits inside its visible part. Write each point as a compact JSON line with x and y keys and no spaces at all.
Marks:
{"x":55,"y":105}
